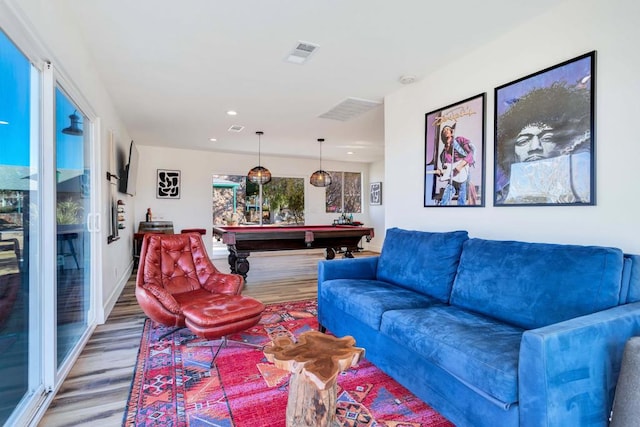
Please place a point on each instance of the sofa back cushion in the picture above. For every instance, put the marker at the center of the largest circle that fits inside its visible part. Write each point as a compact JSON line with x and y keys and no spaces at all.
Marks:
{"x":422,"y":261}
{"x":631,"y":279}
{"x":531,"y":285}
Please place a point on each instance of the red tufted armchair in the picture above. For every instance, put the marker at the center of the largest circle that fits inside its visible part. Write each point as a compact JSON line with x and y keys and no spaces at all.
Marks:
{"x":177,"y":285}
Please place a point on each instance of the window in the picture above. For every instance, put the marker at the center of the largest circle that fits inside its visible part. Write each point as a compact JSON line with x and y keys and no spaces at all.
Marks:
{"x":236,"y":200}
{"x":283,"y":199}
{"x":344,"y":195}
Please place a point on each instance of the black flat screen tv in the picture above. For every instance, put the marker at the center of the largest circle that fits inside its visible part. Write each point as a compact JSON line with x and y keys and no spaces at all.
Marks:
{"x":129,"y":175}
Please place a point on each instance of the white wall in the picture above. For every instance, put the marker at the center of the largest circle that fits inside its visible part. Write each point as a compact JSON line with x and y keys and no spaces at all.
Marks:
{"x":566,"y":31}
{"x":376,"y":213}
{"x":194,"y":209}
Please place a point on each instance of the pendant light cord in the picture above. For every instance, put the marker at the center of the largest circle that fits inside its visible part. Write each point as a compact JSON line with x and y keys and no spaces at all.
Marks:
{"x":259,"y":133}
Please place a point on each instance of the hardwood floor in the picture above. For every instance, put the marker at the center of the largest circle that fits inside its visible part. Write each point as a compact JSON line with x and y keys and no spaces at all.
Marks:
{"x":97,"y":388}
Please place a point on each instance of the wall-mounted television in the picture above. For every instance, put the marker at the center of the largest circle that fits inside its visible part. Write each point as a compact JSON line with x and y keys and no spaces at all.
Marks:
{"x":129,"y":174}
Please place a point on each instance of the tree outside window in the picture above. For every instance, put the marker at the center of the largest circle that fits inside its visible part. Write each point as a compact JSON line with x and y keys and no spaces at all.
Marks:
{"x":283,"y":199}
{"x":235,"y":200}
{"x":344,"y":195}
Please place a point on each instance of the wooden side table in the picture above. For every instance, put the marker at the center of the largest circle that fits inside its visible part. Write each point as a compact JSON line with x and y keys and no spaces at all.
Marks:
{"x":315,"y":362}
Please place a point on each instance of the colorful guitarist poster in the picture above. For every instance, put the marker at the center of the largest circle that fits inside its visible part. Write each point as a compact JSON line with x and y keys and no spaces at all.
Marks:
{"x":454,"y":154}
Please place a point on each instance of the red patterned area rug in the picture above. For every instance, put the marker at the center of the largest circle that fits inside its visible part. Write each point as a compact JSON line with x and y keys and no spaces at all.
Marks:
{"x":173,"y":384}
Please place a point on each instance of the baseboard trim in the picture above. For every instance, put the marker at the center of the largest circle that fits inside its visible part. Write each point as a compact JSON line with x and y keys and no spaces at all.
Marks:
{"x":117,"y":291}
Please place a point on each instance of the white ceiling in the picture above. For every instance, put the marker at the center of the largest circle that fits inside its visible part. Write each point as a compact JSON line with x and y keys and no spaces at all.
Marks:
{"x":173,"y":68}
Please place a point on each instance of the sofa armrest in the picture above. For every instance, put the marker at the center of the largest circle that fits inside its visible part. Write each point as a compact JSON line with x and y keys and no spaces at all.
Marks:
{"x":568,"y":371}
{"x":348,"y":268}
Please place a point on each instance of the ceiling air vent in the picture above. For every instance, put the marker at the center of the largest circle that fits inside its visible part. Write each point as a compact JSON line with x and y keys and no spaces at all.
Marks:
{"x":350,"y":108}
{"x":301,"y":52}
{"x":235,"y":128}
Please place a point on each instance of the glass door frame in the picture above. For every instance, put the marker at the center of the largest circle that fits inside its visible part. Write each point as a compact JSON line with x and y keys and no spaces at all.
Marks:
{"x":91,"y":128}
{"x":45,"y":378}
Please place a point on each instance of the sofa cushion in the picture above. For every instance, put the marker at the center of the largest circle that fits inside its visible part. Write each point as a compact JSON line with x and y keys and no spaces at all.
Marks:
{"x":422,"y":261}
{"x":367,"y":300}
{"x":631,"y":280}
{"x":536,"y":284}
{"x":480,"y":351}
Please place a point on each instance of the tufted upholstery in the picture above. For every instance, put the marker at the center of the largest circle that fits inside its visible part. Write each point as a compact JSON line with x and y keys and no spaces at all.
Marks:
{"x":177,"y":285}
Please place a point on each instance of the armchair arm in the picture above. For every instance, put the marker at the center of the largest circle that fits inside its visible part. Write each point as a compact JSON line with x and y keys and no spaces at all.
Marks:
{"x":224,"y":283}
{"x":568,"y":371}
{"x":348,"y":268}
{"x":159,"y":305}
{"x":165,"y":298}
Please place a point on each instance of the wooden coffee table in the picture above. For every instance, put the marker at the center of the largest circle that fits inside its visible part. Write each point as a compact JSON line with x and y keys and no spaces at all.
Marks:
{"x":315,"y":362}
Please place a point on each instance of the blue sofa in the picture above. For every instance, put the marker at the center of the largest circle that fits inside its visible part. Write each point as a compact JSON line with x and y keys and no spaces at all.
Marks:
{"x":490,"y":333}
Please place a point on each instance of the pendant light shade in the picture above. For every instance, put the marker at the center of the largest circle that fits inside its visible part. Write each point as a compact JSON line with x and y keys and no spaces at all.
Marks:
{"x":259,"y":174}
{"x":74,"y":128}
{"x":320,"y":178}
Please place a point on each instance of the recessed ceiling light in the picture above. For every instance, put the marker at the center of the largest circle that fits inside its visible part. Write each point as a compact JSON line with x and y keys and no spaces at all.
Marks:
{"x":232,"y":113}
{"x":212,"y":139}
{"x":349,"y":152}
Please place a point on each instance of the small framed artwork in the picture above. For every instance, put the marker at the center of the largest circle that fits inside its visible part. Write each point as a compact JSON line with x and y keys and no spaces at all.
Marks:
{"x":168,"y":184}
{"x":375,"y":194}
{"x":544,"y":137}
{"x":454,"y":154}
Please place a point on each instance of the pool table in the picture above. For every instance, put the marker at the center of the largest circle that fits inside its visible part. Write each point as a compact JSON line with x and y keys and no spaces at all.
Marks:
{"x":242,"y":240}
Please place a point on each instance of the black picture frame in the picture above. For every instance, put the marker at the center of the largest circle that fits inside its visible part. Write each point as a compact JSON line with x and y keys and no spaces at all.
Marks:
{"x":446,"y":172}
{"x":375,"y":194}
{"x":168,"y":184}
{"x":544,"y":137}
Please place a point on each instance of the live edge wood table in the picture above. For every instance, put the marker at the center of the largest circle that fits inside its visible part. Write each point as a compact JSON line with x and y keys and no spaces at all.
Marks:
{"x":242,"y":240}
{"x":315,"y":362}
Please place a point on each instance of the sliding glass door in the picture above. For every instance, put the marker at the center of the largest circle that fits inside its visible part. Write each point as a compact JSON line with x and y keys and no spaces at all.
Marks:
{"x":73,"y":244}
{"x":20,"y":290}
{"x":45,"y":244}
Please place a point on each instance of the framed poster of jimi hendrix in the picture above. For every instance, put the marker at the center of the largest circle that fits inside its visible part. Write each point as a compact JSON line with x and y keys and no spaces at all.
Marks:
{"x":454,"y":166}
{"x":544,"y":137}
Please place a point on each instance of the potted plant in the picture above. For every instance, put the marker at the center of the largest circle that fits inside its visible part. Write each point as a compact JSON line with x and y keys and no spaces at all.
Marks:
{"x":68,"y":212}
{"x":231,"y":219}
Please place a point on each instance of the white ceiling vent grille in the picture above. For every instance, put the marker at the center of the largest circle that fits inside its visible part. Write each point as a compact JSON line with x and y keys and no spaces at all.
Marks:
{"x":350,"y":108}
{"x":235,"y":128}
{"x":301,"y":52}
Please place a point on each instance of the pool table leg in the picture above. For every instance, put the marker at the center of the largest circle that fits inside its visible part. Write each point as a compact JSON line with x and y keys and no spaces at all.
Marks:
{"x":330,"y":253}
{"x":232,"y":261}
{"x":238,"y":262}
{"x":242,"y":266}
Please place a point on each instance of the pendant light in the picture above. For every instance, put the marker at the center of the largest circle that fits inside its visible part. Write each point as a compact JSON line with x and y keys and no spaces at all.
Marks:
{"x":74,"y":128}
{"x":320,"y":178}
{"x":259,"y":175}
